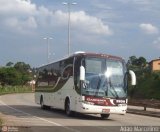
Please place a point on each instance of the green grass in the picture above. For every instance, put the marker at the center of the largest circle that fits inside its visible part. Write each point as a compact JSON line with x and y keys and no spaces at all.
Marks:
{"x":14,"y":89}
{"x":1,"y":122}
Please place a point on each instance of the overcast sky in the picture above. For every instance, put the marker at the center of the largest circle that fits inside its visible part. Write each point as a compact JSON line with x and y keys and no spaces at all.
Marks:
{"x":118,"y":27}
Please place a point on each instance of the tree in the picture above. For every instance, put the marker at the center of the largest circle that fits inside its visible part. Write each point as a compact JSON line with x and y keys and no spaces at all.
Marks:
{"x":9,"y":76}
{"x":22,"y":67}
{"x":141,"y":61}
{"x":17,"y":75}
{"x":9,"y":64}
{"x":132,"y":60}
{"x":148,"y":82}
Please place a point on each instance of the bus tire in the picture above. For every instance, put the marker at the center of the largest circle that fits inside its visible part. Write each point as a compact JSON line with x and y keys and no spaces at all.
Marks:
{"x":105,"y":116}
{"x":68,"y":108}
{"x":44,"y":107}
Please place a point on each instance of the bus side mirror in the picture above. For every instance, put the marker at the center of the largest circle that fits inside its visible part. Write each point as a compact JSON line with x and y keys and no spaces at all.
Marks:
{"x":82,"y":73}
{"x":133,"y":77}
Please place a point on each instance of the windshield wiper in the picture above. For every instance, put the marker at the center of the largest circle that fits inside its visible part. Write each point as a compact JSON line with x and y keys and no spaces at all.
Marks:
{"x":111,"y":86}
{"x":98,"y":86}
{"x":107,"y":87}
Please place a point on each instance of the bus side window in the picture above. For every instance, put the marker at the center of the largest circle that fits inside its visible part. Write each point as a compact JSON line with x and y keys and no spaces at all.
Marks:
{"x":66,"y":67}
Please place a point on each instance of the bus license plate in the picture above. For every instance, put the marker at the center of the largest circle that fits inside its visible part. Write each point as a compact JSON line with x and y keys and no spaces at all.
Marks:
{"x":105,"y":110}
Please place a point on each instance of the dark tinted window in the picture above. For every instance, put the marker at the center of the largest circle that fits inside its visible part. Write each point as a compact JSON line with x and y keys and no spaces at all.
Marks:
{"x":66,"y":67}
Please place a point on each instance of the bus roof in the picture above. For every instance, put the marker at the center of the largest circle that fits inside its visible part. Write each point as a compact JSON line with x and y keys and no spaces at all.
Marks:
{"x":98,"y":55}
{"x":89,"y":54}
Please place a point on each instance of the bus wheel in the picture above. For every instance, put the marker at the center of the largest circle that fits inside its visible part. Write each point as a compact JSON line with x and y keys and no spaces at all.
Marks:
{"x":67,"y":108}
{"x":105,"y":116}
{"x":42,"y":104}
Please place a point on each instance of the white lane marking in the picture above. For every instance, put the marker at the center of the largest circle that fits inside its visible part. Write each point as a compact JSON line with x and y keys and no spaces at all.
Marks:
{"x":30,"y":114}
{"x":51,"y":122}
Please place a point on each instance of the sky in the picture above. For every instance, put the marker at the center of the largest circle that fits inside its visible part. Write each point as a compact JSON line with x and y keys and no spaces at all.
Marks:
{"x":117,"y":27}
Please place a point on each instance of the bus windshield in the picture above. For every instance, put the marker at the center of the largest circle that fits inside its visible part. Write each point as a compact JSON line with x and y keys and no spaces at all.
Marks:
{"x":105,"y":78}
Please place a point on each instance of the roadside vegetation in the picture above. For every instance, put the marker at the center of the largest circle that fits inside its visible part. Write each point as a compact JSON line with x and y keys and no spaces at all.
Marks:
{"x":15,"y":89}
{"x":1,"y":122}
{"x":148,"y":82}
{"x":15,"y":78}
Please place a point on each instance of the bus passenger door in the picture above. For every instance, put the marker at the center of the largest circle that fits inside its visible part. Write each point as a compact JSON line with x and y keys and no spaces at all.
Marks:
{"x":77,"y":90}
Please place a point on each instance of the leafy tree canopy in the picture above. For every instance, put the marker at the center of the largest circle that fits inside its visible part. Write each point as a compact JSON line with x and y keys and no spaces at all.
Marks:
{"x":19,"y":74}
{"x":134,"y":61}
{"x":22,"y":67}
{"x":9,"y":64}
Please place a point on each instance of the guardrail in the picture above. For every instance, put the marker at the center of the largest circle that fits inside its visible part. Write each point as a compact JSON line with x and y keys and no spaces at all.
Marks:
{"x":146,"y":103}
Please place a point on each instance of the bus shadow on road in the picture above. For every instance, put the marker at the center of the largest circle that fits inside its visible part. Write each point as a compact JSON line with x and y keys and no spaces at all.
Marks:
{"x":22,"y":111}
{"x":77,"y":115}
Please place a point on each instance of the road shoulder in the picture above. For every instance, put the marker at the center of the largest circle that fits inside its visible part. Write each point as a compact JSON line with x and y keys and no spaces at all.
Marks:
{"x":140,"y":111}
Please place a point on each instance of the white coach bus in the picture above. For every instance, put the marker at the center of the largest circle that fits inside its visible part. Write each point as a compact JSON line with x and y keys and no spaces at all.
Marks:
{"x":85,"y":82}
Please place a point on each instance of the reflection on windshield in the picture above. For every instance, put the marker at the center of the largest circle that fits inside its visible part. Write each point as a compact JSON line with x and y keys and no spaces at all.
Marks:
{"x":104,"y":78}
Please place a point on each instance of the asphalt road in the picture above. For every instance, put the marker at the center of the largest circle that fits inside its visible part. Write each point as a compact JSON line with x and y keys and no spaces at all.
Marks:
{"x":20,"y":110}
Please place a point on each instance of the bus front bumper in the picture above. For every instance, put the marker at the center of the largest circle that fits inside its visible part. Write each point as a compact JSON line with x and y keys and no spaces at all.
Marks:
{"x":96,"y":109}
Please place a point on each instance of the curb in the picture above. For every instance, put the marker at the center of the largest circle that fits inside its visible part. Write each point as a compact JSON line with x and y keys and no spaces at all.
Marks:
{"x":145,"y":113}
